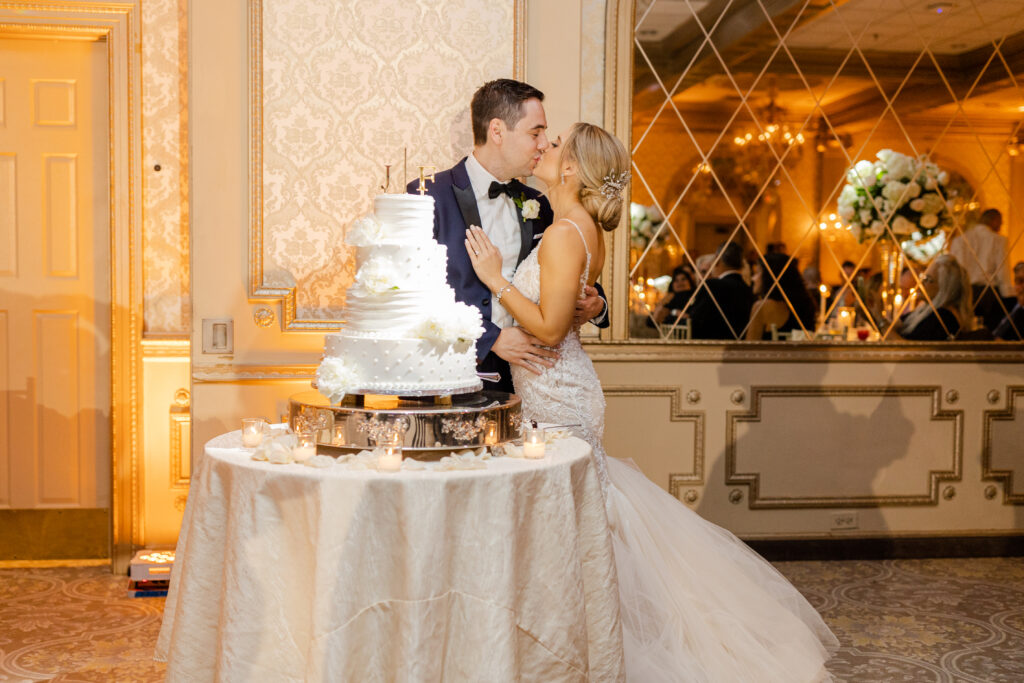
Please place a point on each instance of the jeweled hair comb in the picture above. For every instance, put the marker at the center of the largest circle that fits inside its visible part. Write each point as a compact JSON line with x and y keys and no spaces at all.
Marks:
{"x":614,"y":183}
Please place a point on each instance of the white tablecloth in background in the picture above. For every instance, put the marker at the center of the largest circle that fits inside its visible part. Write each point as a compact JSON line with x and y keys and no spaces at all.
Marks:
{"x":291,"y":573}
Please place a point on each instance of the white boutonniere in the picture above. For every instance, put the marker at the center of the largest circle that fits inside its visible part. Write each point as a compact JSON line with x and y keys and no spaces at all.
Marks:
{"x":530,"y":208}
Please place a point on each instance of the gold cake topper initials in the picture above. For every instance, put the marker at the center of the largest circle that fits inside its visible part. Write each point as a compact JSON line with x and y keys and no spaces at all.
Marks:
{"x":387,"y":178}
{"x":424,"y":178}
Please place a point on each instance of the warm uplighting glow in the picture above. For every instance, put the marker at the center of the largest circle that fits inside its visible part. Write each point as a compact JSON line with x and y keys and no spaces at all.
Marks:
{"x":158,"y":557}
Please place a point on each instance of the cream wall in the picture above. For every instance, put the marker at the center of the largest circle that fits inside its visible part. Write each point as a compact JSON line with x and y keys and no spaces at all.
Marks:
{"x":685,"y":411}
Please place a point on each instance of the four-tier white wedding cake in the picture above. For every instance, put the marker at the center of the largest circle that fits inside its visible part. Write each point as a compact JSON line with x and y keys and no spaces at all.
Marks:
{"x":404,"y":333}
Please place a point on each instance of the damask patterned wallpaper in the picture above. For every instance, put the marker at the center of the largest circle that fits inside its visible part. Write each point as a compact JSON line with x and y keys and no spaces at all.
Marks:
{"x":165,"y":144}
{"x":347,"y":85}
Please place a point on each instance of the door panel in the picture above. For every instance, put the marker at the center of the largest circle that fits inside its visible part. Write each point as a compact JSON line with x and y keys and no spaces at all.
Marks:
{"x":54,"y":274}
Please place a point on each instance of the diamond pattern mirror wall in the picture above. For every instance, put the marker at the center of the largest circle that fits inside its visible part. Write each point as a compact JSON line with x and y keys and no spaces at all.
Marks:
{"x":827,"y":169}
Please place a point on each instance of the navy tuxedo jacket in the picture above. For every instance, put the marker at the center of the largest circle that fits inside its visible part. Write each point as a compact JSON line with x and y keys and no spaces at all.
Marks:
{"x":455,"y":210}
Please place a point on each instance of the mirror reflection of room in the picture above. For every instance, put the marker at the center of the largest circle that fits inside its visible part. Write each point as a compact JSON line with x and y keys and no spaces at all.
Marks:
{"x":828,"y":170}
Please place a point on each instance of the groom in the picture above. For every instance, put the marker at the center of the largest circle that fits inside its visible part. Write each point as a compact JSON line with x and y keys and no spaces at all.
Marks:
{"x":508,"y":139}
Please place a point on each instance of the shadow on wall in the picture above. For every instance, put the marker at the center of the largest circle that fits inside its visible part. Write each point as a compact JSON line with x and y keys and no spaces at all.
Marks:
{"x":824,"y":453}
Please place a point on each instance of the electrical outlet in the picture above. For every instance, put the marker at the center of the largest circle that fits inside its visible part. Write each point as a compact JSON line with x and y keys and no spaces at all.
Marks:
{"x":218,"y":335}
{"x":844,"y":520}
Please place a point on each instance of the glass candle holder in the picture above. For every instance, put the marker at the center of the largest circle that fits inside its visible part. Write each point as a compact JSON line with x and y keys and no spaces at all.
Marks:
{"x":252,"y":431}
{"x":305,"y":447}
{"x":533,"y":442}
{"x":390,"y":458}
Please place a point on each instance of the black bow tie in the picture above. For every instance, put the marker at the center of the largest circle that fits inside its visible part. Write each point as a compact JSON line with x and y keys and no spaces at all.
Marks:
{"x":508,"y":188}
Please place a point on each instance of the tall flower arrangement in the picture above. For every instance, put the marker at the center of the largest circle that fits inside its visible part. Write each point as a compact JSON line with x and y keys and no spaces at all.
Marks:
{"x":910,"y":194}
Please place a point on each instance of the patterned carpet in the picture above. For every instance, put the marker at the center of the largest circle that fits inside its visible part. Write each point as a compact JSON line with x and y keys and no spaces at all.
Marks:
{"x":911,"y":621}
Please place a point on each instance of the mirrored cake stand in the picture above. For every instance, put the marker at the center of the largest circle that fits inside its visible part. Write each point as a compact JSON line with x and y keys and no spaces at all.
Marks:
{"x":429,"y":426}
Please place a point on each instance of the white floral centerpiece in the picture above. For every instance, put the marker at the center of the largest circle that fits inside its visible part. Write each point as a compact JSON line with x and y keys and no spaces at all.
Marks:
{"x":643,"y":224}
{"x":907,"y":193}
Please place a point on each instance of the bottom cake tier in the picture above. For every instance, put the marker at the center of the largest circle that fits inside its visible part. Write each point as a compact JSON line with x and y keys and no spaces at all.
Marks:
{"x":403,"y":367}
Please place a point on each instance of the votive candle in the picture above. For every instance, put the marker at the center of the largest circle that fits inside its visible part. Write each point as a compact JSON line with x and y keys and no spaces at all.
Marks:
{"x":305,"y":448}
{"x":533,"y":442}
{"x":252,"y":432}
{"x":390,"y":460}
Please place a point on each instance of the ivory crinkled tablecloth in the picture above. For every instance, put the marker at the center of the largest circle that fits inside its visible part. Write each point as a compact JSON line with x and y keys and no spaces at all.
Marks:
{"x":293,"y":573}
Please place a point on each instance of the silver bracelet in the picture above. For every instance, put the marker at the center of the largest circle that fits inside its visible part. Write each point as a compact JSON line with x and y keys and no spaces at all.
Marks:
{"x":501,"y":292}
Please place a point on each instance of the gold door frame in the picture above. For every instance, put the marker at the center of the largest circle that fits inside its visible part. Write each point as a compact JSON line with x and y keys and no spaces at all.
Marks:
{"x":118,"y":25}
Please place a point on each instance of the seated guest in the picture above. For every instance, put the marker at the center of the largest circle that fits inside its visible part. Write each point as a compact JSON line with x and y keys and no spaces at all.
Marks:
{"x":845,"y":292}
{"x":1012,"y":326}
{"x":779,"y":301}
{"x":946,"y":306}
{"x":721,"y":310}
{"x":674,"y":301}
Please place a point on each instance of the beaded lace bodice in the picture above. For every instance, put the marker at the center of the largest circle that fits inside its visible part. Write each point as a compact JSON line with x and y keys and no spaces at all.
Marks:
{"x":570,"y":392}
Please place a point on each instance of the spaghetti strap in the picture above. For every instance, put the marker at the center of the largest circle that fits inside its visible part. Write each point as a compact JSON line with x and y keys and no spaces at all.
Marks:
{"x":586,"y":269}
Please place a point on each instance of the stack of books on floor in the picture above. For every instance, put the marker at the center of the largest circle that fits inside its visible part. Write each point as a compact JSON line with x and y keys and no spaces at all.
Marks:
{"x":148,"y":589}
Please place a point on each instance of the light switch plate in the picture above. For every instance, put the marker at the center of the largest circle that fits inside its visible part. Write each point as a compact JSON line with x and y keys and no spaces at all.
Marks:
{"x":218,"y":335}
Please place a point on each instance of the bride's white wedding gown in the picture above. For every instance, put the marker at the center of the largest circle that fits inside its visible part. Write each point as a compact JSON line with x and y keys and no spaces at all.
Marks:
{"x":696,"y":603}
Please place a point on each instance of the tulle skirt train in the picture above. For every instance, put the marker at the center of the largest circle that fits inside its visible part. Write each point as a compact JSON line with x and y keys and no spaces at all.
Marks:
{"x":697,"y":604}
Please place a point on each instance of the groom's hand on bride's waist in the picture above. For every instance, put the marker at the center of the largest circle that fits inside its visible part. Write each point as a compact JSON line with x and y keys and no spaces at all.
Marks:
{"x":518,"y":347}
{"x":589,"y":307}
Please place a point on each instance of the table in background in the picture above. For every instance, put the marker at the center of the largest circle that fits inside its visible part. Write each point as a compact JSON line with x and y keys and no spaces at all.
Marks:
{"x":289,"y":572}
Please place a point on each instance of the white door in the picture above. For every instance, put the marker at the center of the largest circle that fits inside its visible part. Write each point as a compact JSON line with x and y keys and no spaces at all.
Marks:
{"x":54,"y":275}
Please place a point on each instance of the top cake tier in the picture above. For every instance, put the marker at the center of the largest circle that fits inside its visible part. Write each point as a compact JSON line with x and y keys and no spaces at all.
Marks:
{"x":405,"y":215}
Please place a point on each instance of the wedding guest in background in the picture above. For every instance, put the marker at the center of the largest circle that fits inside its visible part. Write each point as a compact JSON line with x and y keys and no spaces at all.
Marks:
{"x":785,"y":305}
{"x":679,"y":292}
{"x":981,"y":250}
{"x":722,"y":309}
{"x":947,"y":303}
{"x":1012,"y":326}
{"x":812,"y":281}
{"x":703,"y":264}
{"x":776,"y":248}
{"x":846,"y":290}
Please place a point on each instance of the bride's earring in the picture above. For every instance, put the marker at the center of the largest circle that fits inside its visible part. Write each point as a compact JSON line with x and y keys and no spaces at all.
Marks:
{"x":563,"y":177}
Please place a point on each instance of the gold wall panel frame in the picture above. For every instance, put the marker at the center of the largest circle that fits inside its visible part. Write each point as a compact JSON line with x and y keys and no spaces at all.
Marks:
{"x":676,"y":481}
{"x":1005,"y":477}
{"x":752,"y":480}
{"x":180,"y":418}
{"x":258,"y":291}
{"x":118,"y":25}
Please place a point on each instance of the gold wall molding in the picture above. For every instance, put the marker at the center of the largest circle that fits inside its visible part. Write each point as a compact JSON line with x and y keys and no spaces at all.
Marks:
{"x":252,"y":373}
{"x":778,"y":352}
{"x":178,"y":347}
{"x":752,"y":479}
{"x":988,"y":471}
{"x":286,"y":286}
{"x":676,"y":481}
{"x":118,"y":24}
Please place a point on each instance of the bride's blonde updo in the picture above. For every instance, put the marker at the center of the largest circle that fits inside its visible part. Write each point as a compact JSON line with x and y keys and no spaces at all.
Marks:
{"x":602,"y":170}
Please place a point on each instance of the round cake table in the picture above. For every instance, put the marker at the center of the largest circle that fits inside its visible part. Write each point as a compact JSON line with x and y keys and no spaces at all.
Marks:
{"x":295,"y":573}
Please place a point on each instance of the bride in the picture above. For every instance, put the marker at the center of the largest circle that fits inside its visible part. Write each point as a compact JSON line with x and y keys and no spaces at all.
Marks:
{"x":696,"y":603}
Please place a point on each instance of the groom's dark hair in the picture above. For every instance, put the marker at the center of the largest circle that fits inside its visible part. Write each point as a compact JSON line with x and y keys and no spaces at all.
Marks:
{"x":501,"y":99}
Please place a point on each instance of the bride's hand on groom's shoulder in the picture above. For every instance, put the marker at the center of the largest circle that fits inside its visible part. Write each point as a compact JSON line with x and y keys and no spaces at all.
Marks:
{"x":518,"y":347}
{"x":484,"y":256}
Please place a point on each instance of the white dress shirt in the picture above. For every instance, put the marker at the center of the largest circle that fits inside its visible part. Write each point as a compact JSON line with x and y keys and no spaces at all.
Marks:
{"x":501,"y":225}
{"x":982,"y":253}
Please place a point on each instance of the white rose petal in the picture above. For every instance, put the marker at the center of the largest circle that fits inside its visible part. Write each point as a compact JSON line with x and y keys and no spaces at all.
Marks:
{"x":913,"y":189}
{"x":917,"y":204}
